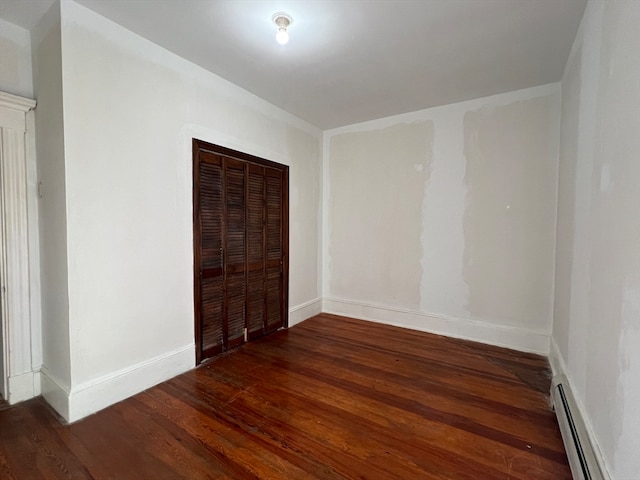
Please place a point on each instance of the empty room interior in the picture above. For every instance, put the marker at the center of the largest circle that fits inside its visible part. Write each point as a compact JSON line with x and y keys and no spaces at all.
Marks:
{"x":320,"y":239}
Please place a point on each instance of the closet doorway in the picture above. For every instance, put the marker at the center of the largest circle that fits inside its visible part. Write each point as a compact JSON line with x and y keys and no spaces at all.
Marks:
{"x":241,"y":246}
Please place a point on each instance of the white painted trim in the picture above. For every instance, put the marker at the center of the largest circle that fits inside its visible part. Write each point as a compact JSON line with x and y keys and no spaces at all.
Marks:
{"x":92,"y":396}
{"x":19,"y":267}
{"x":23,"y":386}
{"x":34,"y":246}
{"x":54,"y":393}
{"x":16,"y":103}
{"x":500,"y":335}
{"x":559,"y":367}
{"x":305,"y":310}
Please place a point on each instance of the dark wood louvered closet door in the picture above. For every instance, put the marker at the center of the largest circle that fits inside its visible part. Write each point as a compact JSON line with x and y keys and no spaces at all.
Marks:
{"x":255,"y":252}
{"x":210,"y":278}
{"x":240,"y":247}
{"x":273,"y":240}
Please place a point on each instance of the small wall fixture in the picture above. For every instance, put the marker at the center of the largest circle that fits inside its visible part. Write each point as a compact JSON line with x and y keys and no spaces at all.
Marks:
{"x":282,"y":21}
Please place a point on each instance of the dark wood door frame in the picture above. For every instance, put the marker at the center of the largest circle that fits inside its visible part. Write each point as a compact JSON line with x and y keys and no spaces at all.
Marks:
{"x":250,"y":163}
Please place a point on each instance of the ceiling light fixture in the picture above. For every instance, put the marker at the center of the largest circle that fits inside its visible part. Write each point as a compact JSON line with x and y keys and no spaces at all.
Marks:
{"x":282,"y":21}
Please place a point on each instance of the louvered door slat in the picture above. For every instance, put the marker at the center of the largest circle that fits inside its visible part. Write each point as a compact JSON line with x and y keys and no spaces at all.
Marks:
{"x":256,"y":303}
{"x":235,"y":215}
{"x":212,"y":288}
{"x":211,"y":311}
{"x":211,"y":214}
{"x":256,"y":214}
{"x":255,"y":251}
{"x":274,"y":255}
{"x":235,"y":254}
{"x":274,"y":290}
{"x":274,"y":209}
{"x":235,"y":308}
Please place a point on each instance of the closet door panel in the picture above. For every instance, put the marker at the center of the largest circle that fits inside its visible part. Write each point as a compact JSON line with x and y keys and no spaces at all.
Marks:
{"x":211,"y":310}
{"x":255,"y":251}
{"x":274,"y":254}
{"x":235,"y":250}
{"x":235,"y":309}
{"x":211,"y":212}
{"x":211,"y":259}
{"x":274,"y":292}
{"x":255,"y":304}
{"x":273,"y":199}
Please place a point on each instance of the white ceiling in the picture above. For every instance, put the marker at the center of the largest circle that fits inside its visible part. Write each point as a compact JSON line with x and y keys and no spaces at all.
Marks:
{"x":24,"y":13}
{"x":354,"y":60}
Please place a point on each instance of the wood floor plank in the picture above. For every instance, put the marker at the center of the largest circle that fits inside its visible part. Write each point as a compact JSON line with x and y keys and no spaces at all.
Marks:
{"x":456,"y":428}
{"x":533,"y":432}
{"x":331,"y":398}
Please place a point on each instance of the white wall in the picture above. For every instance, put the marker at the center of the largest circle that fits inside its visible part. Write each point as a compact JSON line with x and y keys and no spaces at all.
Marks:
{"x":47,"y":57}
{"x":444,"y":219}
{"x":596,"y":333}
{"x":15,"y":60}
{"x":16,"y":78}
{"x":131,"y":109}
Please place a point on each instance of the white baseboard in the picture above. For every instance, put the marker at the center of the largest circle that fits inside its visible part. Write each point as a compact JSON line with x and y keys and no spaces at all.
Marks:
{"x":305,"y":310}
{"x":500,"y":335}
{"x":55,"y":393}
{"x":90,"y":397}
{"x":559,"y":367}
{"x":23,"y":387}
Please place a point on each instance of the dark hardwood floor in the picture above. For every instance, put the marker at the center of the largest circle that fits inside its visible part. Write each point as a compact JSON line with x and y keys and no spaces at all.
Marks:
{"x":331,"y":398}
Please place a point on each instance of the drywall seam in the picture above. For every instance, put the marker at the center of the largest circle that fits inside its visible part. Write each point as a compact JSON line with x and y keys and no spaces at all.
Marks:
{"x":441,"y":247}
{"x":509,"y":217}
{"x":377,"y":181}
{"x":446,"y":294}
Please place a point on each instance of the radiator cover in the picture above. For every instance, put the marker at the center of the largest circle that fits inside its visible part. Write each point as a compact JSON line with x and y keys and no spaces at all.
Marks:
{"x":582,"y":458}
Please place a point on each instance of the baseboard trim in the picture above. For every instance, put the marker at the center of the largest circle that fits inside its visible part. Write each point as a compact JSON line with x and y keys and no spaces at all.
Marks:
{"x":23,"y":387}
{"x":305,"y":310}
{"x":500,"y":335}
{"x":91,"y":397}
{"x":55,"y":393}
{"x":559,"y":369}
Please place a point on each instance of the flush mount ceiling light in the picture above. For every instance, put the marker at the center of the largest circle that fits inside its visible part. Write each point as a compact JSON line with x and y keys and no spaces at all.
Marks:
{"x":282,"y":21}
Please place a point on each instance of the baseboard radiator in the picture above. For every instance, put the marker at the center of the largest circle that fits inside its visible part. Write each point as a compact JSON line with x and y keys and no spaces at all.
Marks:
{"x":582,"y":459}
